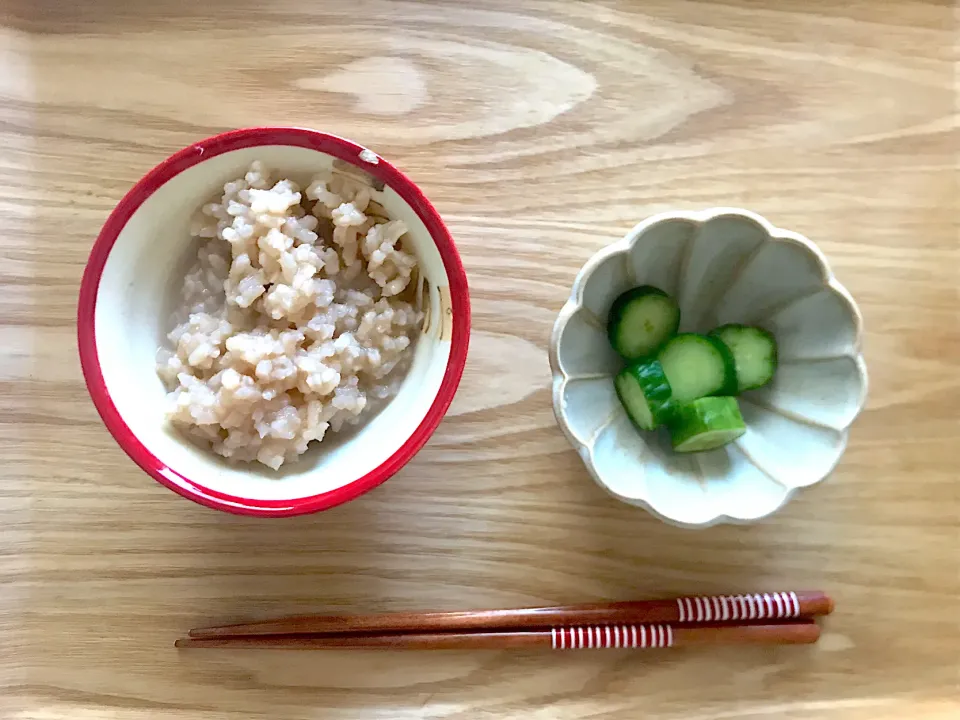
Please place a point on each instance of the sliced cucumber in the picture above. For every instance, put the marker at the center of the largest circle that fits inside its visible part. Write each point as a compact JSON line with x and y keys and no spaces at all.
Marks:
{"x":754,"y":354}
{"x":697,"y":366}
{"x":645,"y":393}
{"x":641,"y":320}
{"x":706,"y":424}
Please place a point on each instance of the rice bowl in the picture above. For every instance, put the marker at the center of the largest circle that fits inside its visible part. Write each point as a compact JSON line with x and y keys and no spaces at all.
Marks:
{"x":135,"y":278}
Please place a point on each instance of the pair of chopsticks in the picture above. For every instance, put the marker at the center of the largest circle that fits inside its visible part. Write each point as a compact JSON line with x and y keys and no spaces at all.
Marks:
{"x":780,"y":618}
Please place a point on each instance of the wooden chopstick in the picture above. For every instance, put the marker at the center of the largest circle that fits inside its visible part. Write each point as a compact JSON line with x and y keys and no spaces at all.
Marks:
{"x":755,"y":607}
{"x":660,"y":635}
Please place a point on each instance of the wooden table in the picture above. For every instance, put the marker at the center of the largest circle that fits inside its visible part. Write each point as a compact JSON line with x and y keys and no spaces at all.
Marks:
{"x":542,"y":131}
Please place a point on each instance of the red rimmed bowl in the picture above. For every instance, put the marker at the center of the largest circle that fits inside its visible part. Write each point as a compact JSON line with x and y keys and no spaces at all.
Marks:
{"x":136,"y":267}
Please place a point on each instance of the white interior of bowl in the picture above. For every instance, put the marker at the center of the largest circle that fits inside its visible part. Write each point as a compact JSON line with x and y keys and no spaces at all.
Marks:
{"x":722,"y":266}
{"x":141,"y":284}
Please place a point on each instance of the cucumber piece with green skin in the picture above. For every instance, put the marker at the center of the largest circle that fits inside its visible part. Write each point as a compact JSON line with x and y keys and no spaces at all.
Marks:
{"x":644,"y":393}
{"x":706,"y":424}
{"x":754,"y":354}
{"x":697,"y":366}
{"x":641,"y":320}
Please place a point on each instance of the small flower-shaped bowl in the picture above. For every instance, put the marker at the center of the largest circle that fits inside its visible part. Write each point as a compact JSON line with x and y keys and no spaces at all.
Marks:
{"x":722,"y":265}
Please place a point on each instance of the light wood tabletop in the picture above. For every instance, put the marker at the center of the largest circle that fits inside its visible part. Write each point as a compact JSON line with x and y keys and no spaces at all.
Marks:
{"x":541,"y":131}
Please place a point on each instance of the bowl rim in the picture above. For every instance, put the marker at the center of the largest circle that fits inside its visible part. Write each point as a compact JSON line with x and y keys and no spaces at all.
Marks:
{"x":623,"y":245}
{"x":206,"y":149}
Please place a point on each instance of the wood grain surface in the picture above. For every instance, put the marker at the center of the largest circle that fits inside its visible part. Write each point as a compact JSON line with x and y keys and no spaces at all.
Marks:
{"x":542,"y":131}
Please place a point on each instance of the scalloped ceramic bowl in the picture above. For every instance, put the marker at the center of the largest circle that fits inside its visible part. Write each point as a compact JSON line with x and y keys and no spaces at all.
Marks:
{"x":722,"y":265}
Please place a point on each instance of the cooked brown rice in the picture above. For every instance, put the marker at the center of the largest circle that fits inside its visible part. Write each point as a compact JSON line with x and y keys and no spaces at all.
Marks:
{"x":290,"y":323}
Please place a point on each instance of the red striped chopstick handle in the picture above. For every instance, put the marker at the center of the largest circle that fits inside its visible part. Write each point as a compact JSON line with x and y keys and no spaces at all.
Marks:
{"x":734,"y":608}
{"x":611,"y":636}
{"x":663,"y":635}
